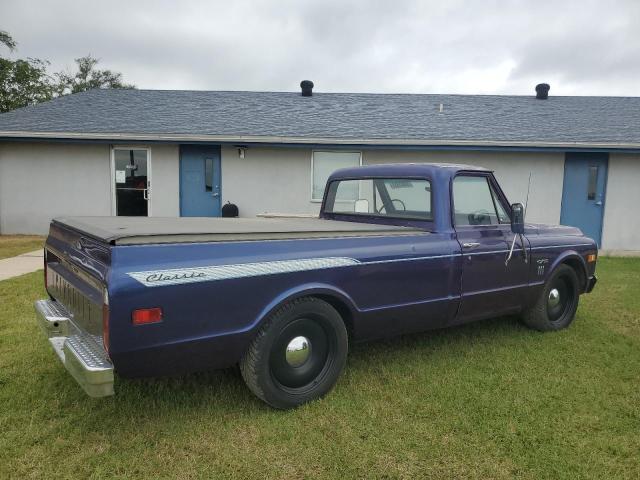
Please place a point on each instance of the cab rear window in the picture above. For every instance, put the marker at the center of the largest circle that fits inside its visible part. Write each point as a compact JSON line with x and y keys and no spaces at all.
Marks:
{"x":404,"y":198}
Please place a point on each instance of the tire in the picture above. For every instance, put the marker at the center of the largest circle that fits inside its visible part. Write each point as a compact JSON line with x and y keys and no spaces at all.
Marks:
{"x":298,"y":354}
{"x":556,"y":306}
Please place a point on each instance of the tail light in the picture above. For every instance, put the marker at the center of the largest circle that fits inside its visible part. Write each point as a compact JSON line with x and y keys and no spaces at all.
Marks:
{"x":144,"y":316}
{"x":105,"y":321}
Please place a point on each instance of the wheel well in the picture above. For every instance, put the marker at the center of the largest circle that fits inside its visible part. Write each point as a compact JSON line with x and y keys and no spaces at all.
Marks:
{"x":579,"y":269}
{"x":343,"y":310}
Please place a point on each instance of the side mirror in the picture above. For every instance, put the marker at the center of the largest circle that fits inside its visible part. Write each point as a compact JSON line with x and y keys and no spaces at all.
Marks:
{"x":517,"y":218}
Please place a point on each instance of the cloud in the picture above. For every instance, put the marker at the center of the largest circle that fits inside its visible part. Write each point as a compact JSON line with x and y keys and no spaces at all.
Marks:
{"x":502,"y":47}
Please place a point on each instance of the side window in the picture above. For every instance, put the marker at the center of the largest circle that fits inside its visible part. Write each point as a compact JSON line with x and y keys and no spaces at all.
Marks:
{"x":475,"y":202}
{"x":503,"y":216}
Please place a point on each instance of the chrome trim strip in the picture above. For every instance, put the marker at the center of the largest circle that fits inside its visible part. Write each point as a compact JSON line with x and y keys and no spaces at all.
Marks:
{"x":177,"y":276}
{"x":411,"y":304}
{"x":485,"y":253}
{"x":563,"y":246}
{"x":492,"y":290}
{"x":393,"y":260}
{"x":532,"y":248}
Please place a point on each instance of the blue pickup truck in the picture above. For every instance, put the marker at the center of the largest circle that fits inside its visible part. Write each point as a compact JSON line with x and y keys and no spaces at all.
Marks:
{"x":396,"y":249}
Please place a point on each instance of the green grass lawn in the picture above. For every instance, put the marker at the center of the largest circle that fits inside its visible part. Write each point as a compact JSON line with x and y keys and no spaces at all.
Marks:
{"x":12,"y":245}
{"x":488,"y":400}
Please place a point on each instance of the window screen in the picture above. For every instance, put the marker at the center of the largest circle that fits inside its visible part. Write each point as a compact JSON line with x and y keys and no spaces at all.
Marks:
{"x":325,"y":163}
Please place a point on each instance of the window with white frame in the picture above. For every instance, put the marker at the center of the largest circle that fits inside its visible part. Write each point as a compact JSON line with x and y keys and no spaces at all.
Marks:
{"x":324,"y":164}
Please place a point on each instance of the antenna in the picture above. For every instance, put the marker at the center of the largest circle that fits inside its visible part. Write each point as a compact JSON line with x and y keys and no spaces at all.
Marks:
{"x":526,"y":202}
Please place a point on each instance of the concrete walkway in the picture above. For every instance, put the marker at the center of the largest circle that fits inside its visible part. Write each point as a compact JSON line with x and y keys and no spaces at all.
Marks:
{"x":25,"y":263}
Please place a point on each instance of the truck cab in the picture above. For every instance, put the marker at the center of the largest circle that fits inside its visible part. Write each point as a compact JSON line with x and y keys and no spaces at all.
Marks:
{"x":465,"y":205}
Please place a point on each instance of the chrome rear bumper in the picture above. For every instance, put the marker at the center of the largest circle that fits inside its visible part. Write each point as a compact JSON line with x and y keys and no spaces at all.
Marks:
{"x":81,"y":353}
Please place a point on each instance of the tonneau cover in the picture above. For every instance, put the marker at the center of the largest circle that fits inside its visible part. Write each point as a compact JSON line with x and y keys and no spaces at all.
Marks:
{"x":144,"y":230}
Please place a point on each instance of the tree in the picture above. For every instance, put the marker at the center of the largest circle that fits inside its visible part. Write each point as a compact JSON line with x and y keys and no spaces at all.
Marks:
{"x":88,"y":77}
{"x":26,"y":81}
{"x":7,"y":40}
{"x":22,"y":82}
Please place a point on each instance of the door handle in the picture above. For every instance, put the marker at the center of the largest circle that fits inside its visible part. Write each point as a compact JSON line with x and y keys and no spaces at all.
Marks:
{"x":599,"y":203}
{"x":470,"y":245}
{"x":145,"y":194}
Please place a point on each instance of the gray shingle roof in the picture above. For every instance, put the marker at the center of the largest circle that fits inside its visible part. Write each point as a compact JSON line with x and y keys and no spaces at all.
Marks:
{"x":344,"y":116}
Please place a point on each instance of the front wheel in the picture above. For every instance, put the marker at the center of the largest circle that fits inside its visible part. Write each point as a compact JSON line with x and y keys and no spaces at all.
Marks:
{"x":556,"y":307}
{"x":297,"y":355}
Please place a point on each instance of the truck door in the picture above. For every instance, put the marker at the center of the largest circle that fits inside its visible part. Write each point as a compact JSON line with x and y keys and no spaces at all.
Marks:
{"x":482,"y":225}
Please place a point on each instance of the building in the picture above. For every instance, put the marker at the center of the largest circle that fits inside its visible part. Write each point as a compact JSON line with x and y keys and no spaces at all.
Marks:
{"x":169,"y":153}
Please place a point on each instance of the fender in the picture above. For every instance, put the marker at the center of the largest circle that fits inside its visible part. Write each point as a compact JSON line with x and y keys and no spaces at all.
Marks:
{"x":572,"y":255}
{"x":306,"y":290}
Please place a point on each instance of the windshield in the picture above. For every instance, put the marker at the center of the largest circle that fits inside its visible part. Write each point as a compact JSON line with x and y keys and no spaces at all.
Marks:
{"x":404,"y":198}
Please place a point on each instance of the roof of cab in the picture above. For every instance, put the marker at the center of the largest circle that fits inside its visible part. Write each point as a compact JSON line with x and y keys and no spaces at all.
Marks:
{"x":404,"y":170}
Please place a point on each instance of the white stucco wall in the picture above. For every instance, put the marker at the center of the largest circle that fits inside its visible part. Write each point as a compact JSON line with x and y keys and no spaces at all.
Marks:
{"x":165,"y":181}
{"x":279,"y":179}
{"x":268,"y":180}
{"x":621,"y":225}
{"x":39,"y":181}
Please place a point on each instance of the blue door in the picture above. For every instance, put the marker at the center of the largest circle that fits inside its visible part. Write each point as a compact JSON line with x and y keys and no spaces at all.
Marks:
{"x":583,"y":193}
{"x":200,"y":180}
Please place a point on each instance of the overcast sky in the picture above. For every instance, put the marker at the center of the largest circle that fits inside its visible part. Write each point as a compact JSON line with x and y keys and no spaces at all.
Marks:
{"x":580,"y":47}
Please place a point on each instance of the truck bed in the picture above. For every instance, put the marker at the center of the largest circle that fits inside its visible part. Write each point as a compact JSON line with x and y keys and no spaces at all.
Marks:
{"x":148,"y":230}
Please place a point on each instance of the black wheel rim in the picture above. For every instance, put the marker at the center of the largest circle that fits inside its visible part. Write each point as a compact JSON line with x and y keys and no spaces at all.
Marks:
{"x":560,"y":299}
{"x":302,"y":370}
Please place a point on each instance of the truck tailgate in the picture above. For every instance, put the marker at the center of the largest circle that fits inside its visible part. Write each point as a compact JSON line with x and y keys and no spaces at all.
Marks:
{"x":75,"y":318}
{"x":76,"y":270}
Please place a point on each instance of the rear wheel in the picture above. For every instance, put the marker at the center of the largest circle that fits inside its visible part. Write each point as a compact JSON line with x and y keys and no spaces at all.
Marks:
{"x":556,"y":306}
{"x":297,"y":355}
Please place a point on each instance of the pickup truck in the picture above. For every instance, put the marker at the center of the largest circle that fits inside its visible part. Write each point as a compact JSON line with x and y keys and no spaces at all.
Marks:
{"x":396,"y":249}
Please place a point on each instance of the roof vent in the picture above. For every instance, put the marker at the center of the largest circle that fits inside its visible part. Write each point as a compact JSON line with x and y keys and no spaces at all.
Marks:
{"x":307,"y":88}
{"x":542,"y":91}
